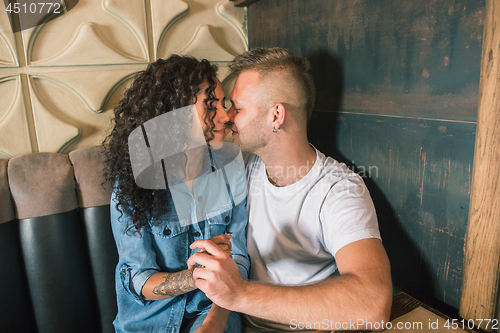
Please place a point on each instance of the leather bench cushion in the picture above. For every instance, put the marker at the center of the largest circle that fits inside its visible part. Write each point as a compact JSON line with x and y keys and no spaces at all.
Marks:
{"x":94,"y":198}
{"x":89,"y":175}
{"x":41,"y":184}
{"x":16,"y":312}
{"x":58,"y":272}
{"x":6,"y":206}
{"x":103,"y":259}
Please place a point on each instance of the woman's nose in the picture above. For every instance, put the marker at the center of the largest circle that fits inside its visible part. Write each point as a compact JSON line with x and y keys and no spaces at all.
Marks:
{"x":222,"y":116}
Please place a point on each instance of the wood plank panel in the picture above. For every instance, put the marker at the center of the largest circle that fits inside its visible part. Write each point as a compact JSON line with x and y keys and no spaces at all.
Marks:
{"x":480,"y":288}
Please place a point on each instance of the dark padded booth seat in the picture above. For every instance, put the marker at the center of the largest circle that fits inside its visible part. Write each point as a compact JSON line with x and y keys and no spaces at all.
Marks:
{"x":57,"y":253}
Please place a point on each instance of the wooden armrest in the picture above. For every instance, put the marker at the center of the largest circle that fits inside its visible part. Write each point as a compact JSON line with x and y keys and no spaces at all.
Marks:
{"x":402,"y":304}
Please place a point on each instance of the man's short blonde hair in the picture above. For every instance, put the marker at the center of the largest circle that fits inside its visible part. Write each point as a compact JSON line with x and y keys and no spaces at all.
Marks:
{"x":267,"y":61}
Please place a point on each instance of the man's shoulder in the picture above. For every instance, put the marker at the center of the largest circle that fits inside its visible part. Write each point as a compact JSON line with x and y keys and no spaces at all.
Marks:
{"x":251,"y":161}
{"x":333,"y":170}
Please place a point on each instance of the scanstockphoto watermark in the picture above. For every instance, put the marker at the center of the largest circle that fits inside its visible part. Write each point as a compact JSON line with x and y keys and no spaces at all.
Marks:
{"x":341,"y":180}
{"x":359,"y":324}
{"x":366,"y":172}
{"x":291,"y":171}
{"x":363,"y":324}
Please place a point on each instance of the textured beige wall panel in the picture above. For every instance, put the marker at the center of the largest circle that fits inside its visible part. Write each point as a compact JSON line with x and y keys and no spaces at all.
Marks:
{"x":55,"y":128}
{"x":73,"y":109}
{"x":94,"y":87}
{"x":227,"y":81}
{"x":14,"y":137}
{"x":60,"y":81}
{"x":94,"y":32}
{"x":236,"y":17}
{"x":8,"y":53}
{"x":204,"y":45}
{"x":223,"y":72}
{"x":164,"y":17}
{"x":209,"y":30}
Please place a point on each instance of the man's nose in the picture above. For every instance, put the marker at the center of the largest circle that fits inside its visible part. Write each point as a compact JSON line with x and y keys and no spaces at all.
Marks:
{"x":231,"y":113}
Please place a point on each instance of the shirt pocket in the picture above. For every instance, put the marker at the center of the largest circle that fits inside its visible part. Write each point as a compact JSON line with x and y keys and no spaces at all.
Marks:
{"x":170,"y":227}
{"x":218,"y":220}
{"x":170,"y":243}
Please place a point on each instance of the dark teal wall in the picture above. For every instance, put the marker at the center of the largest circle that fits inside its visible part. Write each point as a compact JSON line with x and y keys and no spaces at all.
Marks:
{"x":397,"y":91}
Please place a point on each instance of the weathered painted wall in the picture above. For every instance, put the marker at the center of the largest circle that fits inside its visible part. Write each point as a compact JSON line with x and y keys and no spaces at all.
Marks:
{"x":397,"y":95}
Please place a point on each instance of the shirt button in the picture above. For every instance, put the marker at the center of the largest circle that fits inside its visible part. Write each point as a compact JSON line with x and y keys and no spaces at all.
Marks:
{"x":200,"y":199}
{"x":167,"y":231}
{"x":227,"y":218}
{"x":197,"y":234}
{"x":124,"y":271}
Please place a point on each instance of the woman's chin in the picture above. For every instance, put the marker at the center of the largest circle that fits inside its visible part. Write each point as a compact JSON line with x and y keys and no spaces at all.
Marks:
{"x":216,"y":145}
{"x":231,"y":138}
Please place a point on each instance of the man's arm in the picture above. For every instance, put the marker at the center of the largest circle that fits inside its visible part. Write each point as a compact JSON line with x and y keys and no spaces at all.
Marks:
{"x":362,"y":291}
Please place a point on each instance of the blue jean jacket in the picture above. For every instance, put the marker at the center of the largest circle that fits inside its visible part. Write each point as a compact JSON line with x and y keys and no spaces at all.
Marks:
{"x":163,"y":246}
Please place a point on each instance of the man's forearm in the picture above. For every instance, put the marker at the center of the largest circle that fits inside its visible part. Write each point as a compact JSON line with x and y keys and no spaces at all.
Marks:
{"x":363,"y":291}
{"x":165,"y":285}
{"x":341,"y":299}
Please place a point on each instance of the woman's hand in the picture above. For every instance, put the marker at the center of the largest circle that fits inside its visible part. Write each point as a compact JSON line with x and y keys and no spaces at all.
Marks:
{"x":215,"y":322}
{"x":223,"y":242}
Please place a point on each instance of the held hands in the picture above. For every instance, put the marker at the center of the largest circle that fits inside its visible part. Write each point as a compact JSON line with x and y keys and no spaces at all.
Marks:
{"x":223,"y":242}
{"x":218,"y":275}
{"x":212,"y":324}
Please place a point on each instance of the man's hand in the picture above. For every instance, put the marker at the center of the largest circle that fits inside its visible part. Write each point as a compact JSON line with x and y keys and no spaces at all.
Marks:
{"x":219,"y":277}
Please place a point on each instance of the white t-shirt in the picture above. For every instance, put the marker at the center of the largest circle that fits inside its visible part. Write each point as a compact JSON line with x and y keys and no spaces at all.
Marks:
{"x":294,"y":231}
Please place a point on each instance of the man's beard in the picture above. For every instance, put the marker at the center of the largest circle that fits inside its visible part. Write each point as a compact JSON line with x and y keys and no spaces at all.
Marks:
{"x":252,"y":146}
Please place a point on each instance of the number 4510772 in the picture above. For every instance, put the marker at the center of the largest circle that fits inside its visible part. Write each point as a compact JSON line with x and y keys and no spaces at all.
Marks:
{"x":33,"y":8}
{"x":471,"y":323}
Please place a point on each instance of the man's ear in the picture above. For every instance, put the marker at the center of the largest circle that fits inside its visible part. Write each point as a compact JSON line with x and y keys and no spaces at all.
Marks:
{"x":279,"y":113}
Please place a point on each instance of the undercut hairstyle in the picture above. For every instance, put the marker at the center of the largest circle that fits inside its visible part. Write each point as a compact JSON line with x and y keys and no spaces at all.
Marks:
{"x":165,"y":85}
{"x":270,"y":60}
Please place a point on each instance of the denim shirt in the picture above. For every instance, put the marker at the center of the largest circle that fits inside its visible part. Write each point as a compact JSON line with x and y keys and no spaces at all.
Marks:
{"x":163,"y":246}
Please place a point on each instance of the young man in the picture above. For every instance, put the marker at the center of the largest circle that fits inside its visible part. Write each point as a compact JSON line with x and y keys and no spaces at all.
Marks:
{"x":308,"y":215}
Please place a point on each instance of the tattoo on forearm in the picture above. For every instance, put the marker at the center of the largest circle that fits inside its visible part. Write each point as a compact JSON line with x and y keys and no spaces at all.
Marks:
{"x":176,"y":284}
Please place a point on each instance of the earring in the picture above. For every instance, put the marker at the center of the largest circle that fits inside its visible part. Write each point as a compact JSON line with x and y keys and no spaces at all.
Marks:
{"x":276,"y":131}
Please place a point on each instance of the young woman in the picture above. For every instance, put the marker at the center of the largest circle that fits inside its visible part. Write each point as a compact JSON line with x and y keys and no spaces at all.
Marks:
{"x":201,"y":195}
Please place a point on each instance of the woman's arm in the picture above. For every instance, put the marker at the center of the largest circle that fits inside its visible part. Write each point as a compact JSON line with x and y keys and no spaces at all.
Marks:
{"x":164,"y":285}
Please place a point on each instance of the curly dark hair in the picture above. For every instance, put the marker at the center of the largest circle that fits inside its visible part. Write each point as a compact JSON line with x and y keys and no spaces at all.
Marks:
{"x":165,"y":85}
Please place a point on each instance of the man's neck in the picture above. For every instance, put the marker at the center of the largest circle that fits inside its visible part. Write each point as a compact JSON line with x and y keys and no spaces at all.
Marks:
{"x":288,"y":161}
